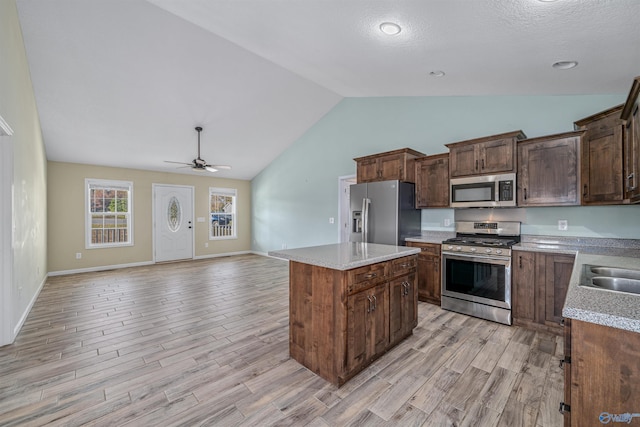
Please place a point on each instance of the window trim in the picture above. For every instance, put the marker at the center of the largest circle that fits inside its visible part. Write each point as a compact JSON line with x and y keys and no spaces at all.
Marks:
{"x":88,"y":182}
{"x":226,"y":192}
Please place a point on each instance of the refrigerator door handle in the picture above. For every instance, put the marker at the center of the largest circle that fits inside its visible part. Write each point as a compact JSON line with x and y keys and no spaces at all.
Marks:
{"x":365,"y":221}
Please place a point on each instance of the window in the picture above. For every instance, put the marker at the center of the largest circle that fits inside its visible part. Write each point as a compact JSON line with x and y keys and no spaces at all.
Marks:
{"x":222,"y":203}
{"x":109,"y":213}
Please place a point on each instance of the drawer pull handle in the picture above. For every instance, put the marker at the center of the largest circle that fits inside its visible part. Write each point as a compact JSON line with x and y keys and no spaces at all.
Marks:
{"x":371,"y":276}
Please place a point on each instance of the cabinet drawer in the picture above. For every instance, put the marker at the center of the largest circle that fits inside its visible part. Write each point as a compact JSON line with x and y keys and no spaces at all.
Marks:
{"x":404,"y":265}
{"x":364,"y":277}
{"x":426,"y":248}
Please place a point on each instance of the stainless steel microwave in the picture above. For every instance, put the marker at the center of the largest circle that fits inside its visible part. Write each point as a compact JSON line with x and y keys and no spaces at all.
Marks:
{"x":495,"y":191}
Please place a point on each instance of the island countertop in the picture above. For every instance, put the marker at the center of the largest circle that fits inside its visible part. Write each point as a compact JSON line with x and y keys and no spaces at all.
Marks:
{"x":345,"y":256}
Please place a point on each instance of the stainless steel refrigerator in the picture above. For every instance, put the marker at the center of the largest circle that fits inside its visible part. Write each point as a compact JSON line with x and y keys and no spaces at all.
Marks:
{"x":383,"y":212}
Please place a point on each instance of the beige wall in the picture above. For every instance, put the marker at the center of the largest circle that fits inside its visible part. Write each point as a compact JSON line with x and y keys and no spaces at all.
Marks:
{"x":66,"y":207}
{"x":29,"y":211}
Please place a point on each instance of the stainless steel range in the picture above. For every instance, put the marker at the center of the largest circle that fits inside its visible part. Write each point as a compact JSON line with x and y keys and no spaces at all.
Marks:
{"x":476,"y":269}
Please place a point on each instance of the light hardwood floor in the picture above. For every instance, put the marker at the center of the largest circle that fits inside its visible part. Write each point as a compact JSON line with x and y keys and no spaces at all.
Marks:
{"x":206,"y":343}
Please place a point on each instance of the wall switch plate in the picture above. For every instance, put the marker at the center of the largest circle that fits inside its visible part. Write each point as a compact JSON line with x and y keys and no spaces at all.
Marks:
{"x":200,"y":219}
{"x":78,"y":255}
{"x":447,"y":222}
{"x":331,"y":220}
{"x":563,"y":225}
{"x":206,"y":245}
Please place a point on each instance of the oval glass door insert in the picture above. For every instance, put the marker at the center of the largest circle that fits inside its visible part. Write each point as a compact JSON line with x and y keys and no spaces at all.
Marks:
{"x":174,"y":214}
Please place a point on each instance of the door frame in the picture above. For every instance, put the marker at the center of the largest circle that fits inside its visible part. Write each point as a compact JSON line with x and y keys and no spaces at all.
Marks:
{"x":7,"y":334}
{"x":344,"y":183}
{"x":191,"y":188}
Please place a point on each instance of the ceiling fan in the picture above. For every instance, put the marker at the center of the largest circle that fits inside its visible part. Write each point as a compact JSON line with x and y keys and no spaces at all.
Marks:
{"x":198,"y":164}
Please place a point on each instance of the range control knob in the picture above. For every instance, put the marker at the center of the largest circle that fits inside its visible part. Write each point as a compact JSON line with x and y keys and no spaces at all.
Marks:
{"x":488,"y":250}
{"x":498,"y":251}
{"x":449,"y":247}
{"x":458,"y":248}
{"x":473,"y":249}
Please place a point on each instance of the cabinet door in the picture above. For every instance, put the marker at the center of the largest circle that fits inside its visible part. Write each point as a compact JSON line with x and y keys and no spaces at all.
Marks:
{"x":602,"y":164}
{"x":523,"y":286}
{"x":367,"y":170}
{"x":548,"y":173}
{"x":558,"y":273}
{"x":391,"y":167}
{"x":632,"y":155}
{"x":402,"y":307}
{"x":428,"y":280}
{"x":497,"y":156}
{"x":604,"y":374}
{"x":432,"y":182}
{"x":367,"y":325}
{"x":463,"y":160}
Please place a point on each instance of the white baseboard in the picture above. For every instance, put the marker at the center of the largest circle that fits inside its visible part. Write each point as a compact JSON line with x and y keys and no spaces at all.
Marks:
{"x":99,"y":268}
{"x":221,"y":255}
{"x":260,"y":253}
{"x":27,"y":310}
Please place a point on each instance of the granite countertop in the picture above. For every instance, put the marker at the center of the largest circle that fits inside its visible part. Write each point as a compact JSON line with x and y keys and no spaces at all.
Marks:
{"x":609,"y":308}
{"x":345,"y":256}
{"x":432,"y":237}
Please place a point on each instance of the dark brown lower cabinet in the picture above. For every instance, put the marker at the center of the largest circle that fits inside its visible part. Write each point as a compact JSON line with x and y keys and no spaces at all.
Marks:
{"x":539,"y":287}
{"x":603,"y":376}
{"x":340,"y":321}
{"x":429,"y":274}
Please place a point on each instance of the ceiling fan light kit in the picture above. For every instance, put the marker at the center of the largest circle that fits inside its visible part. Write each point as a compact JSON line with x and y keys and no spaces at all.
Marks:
{"x":198,"y":164}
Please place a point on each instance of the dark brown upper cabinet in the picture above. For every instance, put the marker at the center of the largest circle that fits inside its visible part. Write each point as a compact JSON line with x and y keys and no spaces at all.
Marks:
{"x":484,"y":156}
{"x":601,"y":158}
{"x":432,"y":181}
{"x":631,"y":122}
{"x":397,"y":164}
{"x":549,"y":170}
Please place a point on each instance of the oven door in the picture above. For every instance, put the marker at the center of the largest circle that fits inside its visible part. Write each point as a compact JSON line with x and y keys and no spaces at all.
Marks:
{"x":485,"y":280}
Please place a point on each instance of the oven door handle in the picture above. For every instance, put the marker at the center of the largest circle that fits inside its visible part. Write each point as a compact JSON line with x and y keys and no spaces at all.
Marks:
{"x":501,"y":260}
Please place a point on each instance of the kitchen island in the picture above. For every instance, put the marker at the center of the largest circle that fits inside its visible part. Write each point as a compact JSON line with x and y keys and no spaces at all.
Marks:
{"x":348,"y":304}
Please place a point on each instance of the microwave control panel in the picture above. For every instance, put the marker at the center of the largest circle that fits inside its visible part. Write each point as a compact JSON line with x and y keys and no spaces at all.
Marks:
{"x":505,"y":191}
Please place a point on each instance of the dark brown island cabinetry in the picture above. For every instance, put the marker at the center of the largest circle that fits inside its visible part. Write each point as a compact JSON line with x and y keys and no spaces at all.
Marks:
{"x":432,"y":181}
{"x":602,"y":375}
{"x":483,"y":156}
{"x":341,"y":320}
{"x":429,"y":275}
{"x":549,"y":170}
{"x":601,"y":158}
{"x":538,"y":289}
{"x":391,"y":165}
{"x":631,"y":118}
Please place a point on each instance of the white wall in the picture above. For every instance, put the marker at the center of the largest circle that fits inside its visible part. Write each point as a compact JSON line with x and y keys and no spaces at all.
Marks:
{"x":29,"y":207}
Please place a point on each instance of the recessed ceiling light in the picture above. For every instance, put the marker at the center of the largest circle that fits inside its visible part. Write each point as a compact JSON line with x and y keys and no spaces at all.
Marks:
{"x":389,"y":28}
{"x":564,"y":65}
{"x":437,"y":73}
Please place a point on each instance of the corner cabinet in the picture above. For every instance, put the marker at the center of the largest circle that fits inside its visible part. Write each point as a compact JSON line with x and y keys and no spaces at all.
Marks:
{"x":391,"y":165}
{"x":429,"y":278}
{"x":549,"y":170}
{"x":483,"y":156}
{"x":602,"y":375}
{"x":601,"y":158}
{"x":539,"y":287}
{"x":340,"y":321}
{"x":432,"y":181}
{"x":631,"y":120}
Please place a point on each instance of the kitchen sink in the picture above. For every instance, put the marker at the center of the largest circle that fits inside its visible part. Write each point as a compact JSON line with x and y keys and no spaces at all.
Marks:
{"x":613,"y":279}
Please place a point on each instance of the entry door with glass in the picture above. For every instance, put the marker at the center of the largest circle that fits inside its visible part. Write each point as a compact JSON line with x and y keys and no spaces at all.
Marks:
{"x":173,"y":222}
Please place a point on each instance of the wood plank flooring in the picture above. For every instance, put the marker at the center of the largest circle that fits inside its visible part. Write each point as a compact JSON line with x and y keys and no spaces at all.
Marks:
{"x":206,"y":343}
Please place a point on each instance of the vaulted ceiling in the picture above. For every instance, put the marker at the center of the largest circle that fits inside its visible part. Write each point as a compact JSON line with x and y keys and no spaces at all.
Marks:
{"x":125,"y":82}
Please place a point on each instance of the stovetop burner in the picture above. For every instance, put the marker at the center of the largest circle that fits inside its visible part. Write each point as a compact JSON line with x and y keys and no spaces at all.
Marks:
{"x":482,"y":241}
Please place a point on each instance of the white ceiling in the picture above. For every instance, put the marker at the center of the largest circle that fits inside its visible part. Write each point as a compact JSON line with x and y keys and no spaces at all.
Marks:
{"x":124,"y":82}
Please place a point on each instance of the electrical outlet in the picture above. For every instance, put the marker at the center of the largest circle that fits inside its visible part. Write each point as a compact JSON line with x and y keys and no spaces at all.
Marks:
{"x":447,"y":222}
{"x":331,"y":220}
{"x":563,"y":225}
{"x":284,"y":246}
{"x":78,"y":255}
{"x":206,"y":245}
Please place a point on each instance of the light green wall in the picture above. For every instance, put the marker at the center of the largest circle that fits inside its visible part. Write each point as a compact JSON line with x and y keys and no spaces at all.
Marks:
{"x":18,"y":109}
{"x":295,"y":195}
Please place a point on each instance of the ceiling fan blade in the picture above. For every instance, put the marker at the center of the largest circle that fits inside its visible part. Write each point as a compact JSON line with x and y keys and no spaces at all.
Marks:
{"x":226,"y":167}
{"x":179,"y":163}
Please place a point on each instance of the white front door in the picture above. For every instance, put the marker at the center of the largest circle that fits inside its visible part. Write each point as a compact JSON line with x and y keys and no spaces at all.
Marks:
{"x":173,"y":222}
